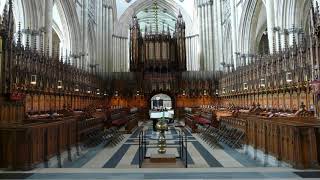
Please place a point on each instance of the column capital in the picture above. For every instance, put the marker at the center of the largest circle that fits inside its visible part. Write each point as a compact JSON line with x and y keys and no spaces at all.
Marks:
{"x":285,"y":31}
{"x":276,"y":29}
{"x":243,"y":55}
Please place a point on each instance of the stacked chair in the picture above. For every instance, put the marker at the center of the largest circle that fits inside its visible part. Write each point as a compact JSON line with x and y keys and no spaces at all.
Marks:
{"x":110,"y":136}
{"x":228,"y":135}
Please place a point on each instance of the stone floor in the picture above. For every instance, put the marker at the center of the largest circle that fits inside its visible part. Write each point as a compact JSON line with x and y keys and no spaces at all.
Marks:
{"x":165,"y":174}
{"x":200,"y":155}
{"x":204,"y":162}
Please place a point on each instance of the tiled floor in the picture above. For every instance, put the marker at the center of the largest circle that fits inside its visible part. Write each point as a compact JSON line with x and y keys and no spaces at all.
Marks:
{"x":200,"y":155}
{"x":165,"y":174}
{"x":122,"y":162}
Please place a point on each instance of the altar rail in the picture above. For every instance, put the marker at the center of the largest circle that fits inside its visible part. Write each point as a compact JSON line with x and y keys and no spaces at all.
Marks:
{"x":293,"y":140}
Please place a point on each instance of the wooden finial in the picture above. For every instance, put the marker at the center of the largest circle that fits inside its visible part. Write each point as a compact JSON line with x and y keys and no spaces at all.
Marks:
{"x":28,"y":39}
{"x":294,"y":40}
{"x":19,"y":35}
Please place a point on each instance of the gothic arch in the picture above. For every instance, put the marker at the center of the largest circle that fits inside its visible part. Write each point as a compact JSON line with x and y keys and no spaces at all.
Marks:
{"x":122,"y":25}
{"x":227,"y":45}
{"x":253,"y":22}
{"x":71,"y":22}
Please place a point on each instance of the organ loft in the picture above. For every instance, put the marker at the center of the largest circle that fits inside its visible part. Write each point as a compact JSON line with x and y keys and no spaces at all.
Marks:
{"x":157,"y":56}
{"x":158,"y":89}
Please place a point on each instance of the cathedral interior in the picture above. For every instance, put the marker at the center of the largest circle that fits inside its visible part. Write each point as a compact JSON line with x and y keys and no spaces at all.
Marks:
{"x":159,"y":89}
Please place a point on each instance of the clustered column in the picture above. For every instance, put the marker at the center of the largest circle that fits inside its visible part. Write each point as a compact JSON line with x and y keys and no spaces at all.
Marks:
{"x":48,"y":25}
{"x":104,"y":35}
{"x":84,"y":57}
{"x":120,"y":54}
{"x":205,"y":15}
{"x":192,"y":53}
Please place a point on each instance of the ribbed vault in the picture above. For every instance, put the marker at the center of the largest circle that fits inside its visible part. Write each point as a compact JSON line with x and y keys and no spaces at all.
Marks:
{"x":144,"y":9}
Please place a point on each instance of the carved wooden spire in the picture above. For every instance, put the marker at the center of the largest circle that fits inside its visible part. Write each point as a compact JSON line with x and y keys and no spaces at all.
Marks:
{"x":19,"y":44}
{"x":294,"y":39}
{"x":28,"y":39}
{"x":5,"y":19}
{"x":35,"y":43}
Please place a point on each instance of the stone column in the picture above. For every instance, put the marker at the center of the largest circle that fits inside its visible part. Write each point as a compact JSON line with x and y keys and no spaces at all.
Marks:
{"x":106,"y":50}
{"x":191,"y":53}
{"x":126,"y":58}
{"x":210,"y":37}
{"x":233,"y":26}
{"x":206,"y":39}
{"x":201,"y":40}
{"x":270,"y":23}
{"x":85,"y":33}
{"x":48,"y":21}
{"x":110,"y":31}
{"x":117,"y":58}
{"x":113,"y":54}
{"x":121,"y":49}
{"x":188,"y":51}
{"x":195,"y":53}
{"x":119,"y":54}
{"x":99,"y":33}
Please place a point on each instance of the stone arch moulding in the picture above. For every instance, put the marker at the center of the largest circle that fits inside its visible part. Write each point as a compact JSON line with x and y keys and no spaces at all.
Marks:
{"x":122,"y":25}
{"x":71,"y":22}
{"x":249,"y":31}
{"x":63,"y":29}
{"x":227,"y":38}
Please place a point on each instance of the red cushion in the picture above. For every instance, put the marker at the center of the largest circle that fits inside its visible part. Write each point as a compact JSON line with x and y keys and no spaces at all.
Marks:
{"x":119,"y":122}
{"x":201,"y":120}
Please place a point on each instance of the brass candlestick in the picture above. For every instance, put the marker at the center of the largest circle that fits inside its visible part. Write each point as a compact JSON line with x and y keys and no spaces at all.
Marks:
{"x":162,"y":126}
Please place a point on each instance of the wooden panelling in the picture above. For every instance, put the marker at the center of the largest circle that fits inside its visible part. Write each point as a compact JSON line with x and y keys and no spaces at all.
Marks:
{"x":292,"y":140}
{"x":26,"y":144}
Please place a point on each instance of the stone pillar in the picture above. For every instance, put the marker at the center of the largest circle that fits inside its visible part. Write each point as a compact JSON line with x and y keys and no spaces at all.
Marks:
{"x":196,"y":50}
{"x":201,"y":40}
{"x":121,"y":49}
{"x":102,"y":53}
{"x":233,"y":26}
{"x":270,"y":23}
{"x":117,"y":54}
{"x":217,"y":32}
{"x":210,"y":37}
{"x":188,"y":50}
{"x":206,"y":35}
{"x":110,"y":32}
{"x":113,"y":54}
{"x":48,"y":21}
{"x":99,"y":35}
{"x":85,"y":33}
{"x":190,"y":53}
{"x":106,"y":50}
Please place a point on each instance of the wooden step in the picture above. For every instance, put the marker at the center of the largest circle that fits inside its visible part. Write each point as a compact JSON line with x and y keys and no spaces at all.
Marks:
{"x":163,"y":158}
{"x":147,"y":164}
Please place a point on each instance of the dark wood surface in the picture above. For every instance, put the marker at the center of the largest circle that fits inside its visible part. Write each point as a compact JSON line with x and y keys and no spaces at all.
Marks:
{"x":24,"y":145}
{"x":294,"y":140}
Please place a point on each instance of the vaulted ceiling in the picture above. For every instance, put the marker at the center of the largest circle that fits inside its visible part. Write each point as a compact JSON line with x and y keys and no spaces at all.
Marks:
{"x":168,"y":11}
